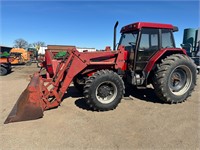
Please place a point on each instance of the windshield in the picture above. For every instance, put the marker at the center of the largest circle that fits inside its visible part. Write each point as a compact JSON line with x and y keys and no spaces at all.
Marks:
{"x":128,"y":39}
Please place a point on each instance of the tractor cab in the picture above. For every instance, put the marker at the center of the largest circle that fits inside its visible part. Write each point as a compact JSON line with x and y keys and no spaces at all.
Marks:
{"x":142,"y":40}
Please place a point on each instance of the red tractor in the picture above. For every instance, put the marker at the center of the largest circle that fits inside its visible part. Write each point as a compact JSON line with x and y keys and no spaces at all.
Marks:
{"x":146,"y":54}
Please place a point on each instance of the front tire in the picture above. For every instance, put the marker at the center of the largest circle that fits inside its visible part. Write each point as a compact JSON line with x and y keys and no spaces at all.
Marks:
{"x":104,"y":90}
{"x":175,"y":78}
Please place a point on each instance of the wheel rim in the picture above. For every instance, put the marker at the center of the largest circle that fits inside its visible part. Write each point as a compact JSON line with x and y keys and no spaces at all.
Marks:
{"x":180,"y":80}
{"x":106,"y":92}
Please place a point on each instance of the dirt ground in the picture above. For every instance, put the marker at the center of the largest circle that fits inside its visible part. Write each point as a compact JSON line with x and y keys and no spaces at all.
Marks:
{"x":140,"y":121}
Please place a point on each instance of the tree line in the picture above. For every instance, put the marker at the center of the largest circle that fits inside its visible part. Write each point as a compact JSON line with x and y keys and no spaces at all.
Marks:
{"x":21,"y":43}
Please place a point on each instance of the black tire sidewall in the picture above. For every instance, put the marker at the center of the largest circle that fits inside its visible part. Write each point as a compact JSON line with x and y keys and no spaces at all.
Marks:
{"x":172,"y":67}
{"x":103,"y":78}
{"x":4,"y":71}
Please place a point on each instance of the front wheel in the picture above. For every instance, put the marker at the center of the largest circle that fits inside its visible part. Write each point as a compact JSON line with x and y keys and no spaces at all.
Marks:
{"x":175,"y":78}
{"x":104,"y":90}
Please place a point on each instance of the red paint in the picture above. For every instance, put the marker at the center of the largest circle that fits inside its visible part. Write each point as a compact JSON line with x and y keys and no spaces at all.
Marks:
{"x":91,"y":73}
{"x":125,"y":60}
{"x":68,"y":69}
{"x":139,"y":25}
{"x":159,"y":54}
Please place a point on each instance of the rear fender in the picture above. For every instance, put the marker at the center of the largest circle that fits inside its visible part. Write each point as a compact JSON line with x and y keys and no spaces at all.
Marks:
{"x":161,"y":54}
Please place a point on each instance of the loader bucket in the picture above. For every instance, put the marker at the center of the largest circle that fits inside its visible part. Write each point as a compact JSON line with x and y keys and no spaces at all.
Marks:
{"x":29,"y":104}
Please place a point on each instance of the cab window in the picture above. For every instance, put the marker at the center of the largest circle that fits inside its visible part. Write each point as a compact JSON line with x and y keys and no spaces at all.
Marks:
{"x":128,"y":40}
{"x":167,"y":39}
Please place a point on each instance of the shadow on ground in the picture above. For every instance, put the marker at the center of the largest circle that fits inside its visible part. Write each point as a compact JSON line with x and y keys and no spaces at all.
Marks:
{"x":146,"y":94}
{"x":80,"y":102}
{"x":131,"y":93}
{"x":72,"y":92}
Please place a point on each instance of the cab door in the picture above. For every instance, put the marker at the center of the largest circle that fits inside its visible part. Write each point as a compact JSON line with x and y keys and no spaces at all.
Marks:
{"x":148,"y":45}
{"x":129,"y":41}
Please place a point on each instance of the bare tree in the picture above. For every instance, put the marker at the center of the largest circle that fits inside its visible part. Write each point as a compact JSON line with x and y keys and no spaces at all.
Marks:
{"x":38,"y":44}
{"x":30,"y":45}
{"x":20,"y":43}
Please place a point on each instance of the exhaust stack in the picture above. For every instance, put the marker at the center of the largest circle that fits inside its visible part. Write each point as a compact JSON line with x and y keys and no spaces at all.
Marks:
{"x":114,"y":38}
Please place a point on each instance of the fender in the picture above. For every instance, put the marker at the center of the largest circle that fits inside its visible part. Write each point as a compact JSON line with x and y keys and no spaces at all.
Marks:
{"x":158,"y":55}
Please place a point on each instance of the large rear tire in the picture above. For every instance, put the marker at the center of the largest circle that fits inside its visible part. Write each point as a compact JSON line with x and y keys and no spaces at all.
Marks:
{"x":104,"y":90}
{"x":175,"y":78}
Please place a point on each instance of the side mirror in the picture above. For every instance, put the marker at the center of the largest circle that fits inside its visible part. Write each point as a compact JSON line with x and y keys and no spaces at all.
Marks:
{"x":175,"y":29}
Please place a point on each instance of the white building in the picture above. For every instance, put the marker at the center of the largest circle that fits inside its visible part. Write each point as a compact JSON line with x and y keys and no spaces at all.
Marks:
{"x":42,"y":50}
{"x":81,"y":49}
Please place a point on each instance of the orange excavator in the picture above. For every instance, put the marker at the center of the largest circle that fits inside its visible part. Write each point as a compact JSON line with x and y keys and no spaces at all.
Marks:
{"x":19,"y":56}
{"x":22,"y":56}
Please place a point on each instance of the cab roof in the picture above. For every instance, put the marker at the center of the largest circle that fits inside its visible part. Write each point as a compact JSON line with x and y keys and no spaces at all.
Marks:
{"x":139,"y":25}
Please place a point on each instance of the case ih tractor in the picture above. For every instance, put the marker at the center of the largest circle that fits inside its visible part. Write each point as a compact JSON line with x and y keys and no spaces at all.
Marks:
{"x":146,"y":54}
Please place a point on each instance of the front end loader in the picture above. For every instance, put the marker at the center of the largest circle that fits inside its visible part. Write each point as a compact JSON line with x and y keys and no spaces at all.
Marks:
{"x":46,"y":91}
{"x":146,"y":54}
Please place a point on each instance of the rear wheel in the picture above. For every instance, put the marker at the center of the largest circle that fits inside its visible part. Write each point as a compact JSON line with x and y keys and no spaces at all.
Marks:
{"x":3,"y":71}
{"x":104,"y":90}
{"x":175,"y":78}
